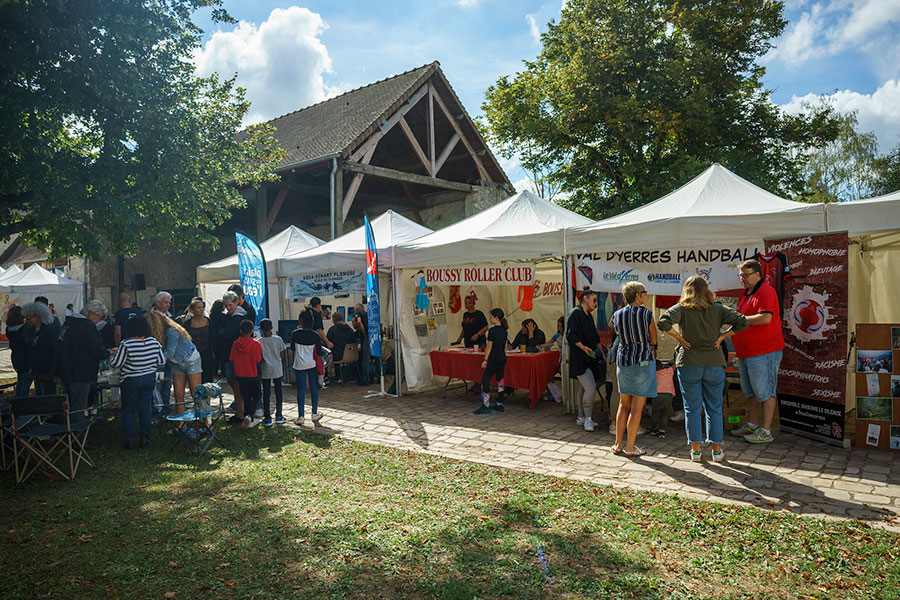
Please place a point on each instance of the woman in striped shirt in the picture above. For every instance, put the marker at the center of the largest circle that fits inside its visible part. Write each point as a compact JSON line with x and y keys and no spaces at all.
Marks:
{"x":138,"y":358}
{"x":635,"y":364}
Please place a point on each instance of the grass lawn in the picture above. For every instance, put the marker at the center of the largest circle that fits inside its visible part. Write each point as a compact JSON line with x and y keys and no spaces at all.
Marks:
{"x":295,"y":515}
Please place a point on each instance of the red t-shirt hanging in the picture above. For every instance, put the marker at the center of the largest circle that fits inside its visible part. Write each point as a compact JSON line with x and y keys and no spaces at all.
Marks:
{"x":759,"y":339}
{"x":775,"y":269}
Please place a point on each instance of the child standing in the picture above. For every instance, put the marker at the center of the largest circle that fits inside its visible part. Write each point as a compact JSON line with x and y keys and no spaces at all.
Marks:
{"x":246,"y":354}
{"x":306,"y":344}
{"x":271,"y":372}
{"x":494,"y":362}
{"x":662,"y":404}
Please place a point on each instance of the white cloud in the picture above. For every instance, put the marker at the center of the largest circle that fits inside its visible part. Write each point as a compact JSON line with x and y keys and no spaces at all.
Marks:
{"x":526,"y":183}
{"x":533,"y":27}
{"x":467,"y":3}
{"x":829,"y":28}
{"x":281,"y":62}
{"x":878,"y":111}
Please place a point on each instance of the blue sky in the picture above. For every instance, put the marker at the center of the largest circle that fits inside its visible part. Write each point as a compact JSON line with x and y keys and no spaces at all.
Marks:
{"x":289,"y":55}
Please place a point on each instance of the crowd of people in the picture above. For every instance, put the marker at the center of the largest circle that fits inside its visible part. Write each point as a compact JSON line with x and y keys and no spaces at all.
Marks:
{"x":155,"y":354}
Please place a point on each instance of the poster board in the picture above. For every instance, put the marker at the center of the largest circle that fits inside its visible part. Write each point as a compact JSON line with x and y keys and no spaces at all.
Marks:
{"x":877,"y":366}
{"x":810,"y":274}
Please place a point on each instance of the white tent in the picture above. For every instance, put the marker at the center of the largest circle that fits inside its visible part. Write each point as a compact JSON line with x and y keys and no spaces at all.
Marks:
{"x":879,"y":214}
{"x":521,"y":227}
{"x":349,"y":250}
{"x":290,"y":241}
{"x":10,"y":273}
{"x":715,"y":209}
{"x":37,"y":281}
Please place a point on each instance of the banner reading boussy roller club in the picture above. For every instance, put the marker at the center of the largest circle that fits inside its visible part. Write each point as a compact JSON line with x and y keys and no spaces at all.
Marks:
{"x":496,"y":274}
{"x":812,"y":377}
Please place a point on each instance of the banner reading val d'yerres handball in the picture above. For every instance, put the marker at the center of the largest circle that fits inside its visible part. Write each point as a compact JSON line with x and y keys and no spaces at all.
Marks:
{"x":325,"y":283}
{"x":813,"y":373}
{"x":252,"y":268}
{"x":663,"y":272}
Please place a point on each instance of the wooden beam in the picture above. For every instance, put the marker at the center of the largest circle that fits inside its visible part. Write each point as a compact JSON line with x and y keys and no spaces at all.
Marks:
{"x":395,"y":175}
{"x":357,"y":181}
{"x":415,"y":145}
{"x":393,"y":120}
{"x":262,"y":211}
{"x":481,"y":170}
{"x":339,"y":201}
{"x":446,"y":153}
{"x":434,"y":169}
{"x":273,"y":214}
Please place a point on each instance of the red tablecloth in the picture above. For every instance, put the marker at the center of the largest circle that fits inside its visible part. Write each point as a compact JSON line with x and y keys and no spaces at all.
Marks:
{"x":526,"y":371}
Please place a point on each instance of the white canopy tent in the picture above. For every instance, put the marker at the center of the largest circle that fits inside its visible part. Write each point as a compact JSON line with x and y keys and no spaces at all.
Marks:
{"x":521,"y":227}
{"x":292,"y":240}
{"x":21,"y":288}
{"x":9,"y":273}
{"x":879,"y":214}
{"x":215,"y":277}
{"x":349,"y":250}
{"x":715,"y":209}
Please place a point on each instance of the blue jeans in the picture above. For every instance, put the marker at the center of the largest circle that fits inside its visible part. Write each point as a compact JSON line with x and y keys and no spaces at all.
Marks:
{"x":137,"y":392}
{"x":303,"y":377}
{"x":702,"y":385}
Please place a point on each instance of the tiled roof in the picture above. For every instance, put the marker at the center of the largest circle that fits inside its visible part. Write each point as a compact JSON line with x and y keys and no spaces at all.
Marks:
{"x":337,"y":125}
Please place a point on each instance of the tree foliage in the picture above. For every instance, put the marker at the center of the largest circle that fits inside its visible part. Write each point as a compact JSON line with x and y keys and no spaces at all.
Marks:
{"x":631,"y":98}
{"x":846,"y":168}
{"x":107,"y":139}
{"x":888,"y":169}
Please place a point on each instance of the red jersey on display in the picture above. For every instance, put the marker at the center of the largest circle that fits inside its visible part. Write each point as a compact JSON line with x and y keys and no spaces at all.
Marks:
{"x":775,"y":269}
{"x":759,"y":339}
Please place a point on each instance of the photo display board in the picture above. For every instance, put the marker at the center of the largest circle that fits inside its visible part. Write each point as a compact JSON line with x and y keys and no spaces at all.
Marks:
{"x":878,"y":386}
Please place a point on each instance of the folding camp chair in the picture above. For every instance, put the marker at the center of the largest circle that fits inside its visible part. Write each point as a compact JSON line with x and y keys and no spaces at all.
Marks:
{"x":7,"y":435}
{"x":197,"y":425}
{"x":55,"y":444}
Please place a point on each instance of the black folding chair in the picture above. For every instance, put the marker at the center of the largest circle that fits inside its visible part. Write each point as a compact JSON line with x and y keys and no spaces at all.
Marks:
{"x":55,"y":445}
{"x":7,"y":435}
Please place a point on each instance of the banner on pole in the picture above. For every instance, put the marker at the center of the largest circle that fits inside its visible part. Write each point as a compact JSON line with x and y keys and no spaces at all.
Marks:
{"x":662,"y":272}
{"x":252,"y":268}
{"x":372,"y":291}
{"x":325,"y":283}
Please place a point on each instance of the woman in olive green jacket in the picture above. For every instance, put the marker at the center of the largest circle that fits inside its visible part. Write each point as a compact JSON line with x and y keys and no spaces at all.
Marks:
{"x":699,"y":361}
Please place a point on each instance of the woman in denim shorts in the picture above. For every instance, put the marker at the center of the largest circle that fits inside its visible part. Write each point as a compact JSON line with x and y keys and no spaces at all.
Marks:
{"x":179,"y":350}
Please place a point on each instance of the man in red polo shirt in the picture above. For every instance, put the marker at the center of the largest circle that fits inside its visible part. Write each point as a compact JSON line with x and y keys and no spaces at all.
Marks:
{"x":759,"y":349}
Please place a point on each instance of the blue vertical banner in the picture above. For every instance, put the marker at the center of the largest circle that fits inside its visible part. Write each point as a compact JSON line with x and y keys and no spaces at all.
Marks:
{"x":372,"y":291}
{"x":252,"y":268}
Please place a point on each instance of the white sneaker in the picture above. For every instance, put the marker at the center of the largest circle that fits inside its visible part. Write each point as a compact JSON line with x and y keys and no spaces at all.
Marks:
{"x":300,"y":421}
{"x":677,"y":417}
{"x":612,"y":429}
{"x":255,"y":421}
{"x":259,"y":413}
{"x":696,"y":456}
{"x":718,"y":456}
{"x":245,"y":424}
{"x":579,"y":421}
{"x":316,"y":417}
{"x":589,"y":425}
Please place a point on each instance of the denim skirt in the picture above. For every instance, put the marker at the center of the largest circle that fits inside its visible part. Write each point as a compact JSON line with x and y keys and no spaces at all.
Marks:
{"x":637,"y":380}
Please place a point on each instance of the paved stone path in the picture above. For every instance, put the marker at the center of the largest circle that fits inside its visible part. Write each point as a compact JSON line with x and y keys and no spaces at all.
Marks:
{"x":792,"y":473}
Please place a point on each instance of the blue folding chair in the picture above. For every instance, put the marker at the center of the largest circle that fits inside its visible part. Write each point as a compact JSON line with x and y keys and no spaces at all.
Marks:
{"x":197,"y":425}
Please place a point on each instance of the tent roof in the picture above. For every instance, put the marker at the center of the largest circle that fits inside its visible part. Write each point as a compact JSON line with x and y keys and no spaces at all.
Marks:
{"x":290,"y":241}
{"x":36,"y":278}
{"x":10,"y":273}
{"x":863,"y":216}
{"x":522,"y":226}
{"x":715,"y":208}
{"x":349,"y":250}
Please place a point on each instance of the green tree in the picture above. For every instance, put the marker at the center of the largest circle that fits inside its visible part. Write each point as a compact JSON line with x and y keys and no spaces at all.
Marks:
{"x":631,"y":98}
{"x":845,"y":168}
{"x":107,"y":139}
{"x":888,"y":169}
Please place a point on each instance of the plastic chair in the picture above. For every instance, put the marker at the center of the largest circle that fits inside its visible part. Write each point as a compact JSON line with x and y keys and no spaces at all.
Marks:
{"x":350,"y":357}
{"x":55,"y":444}
{"x":198,"y":424}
